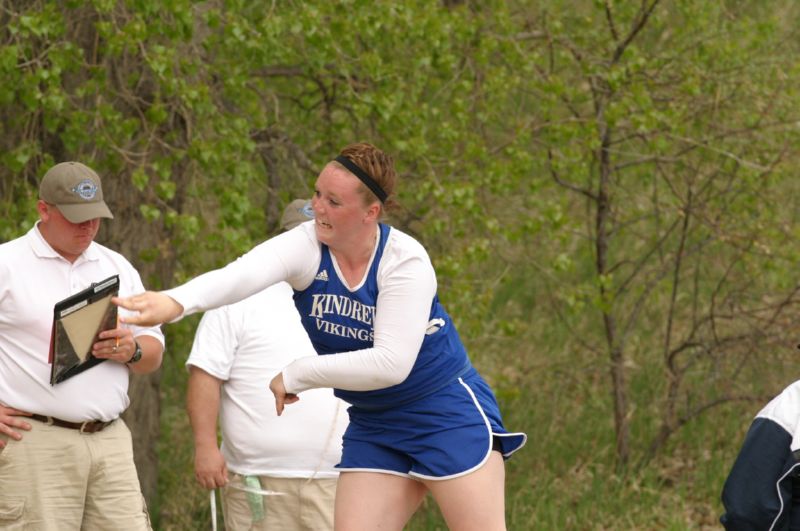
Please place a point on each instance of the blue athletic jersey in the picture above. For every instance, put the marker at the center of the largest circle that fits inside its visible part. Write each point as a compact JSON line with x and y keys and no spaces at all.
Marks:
{"x":340,"y":320}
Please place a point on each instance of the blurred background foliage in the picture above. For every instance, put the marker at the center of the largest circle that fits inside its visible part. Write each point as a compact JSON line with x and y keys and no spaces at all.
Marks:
{"x":605,"y":189}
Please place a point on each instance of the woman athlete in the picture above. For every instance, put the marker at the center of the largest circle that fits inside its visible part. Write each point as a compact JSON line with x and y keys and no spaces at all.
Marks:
{"x":421,"y":418}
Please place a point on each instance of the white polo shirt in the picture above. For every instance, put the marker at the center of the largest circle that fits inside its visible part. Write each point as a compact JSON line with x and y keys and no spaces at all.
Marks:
{"x":33,"y":278}
{"x":245,"y":345}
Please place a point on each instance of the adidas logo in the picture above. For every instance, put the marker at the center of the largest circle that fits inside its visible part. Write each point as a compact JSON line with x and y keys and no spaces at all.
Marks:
{"x":322,"y":275}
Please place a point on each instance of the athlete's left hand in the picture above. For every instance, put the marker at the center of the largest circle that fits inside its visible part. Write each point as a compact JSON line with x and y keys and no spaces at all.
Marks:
{"x":282,"y":398}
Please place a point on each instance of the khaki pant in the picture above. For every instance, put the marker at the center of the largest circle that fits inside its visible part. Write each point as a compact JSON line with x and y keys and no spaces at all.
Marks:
{"x":61,"y":479}
{"x":307,"y":505}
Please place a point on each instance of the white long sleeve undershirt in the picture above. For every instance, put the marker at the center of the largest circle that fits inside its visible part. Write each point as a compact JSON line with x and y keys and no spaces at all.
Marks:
{"x":406,"y":283}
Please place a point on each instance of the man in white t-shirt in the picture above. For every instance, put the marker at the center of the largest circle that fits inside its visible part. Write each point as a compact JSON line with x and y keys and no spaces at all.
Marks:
{"x":237,"y":350}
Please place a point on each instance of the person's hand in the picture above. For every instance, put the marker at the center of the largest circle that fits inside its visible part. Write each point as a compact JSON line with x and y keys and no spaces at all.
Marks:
{"x":281,"y":396}
{"x":210,"y":468}
{"x":9,"y":420}
{"x":153,"y":307}
{"x":116,"y":344}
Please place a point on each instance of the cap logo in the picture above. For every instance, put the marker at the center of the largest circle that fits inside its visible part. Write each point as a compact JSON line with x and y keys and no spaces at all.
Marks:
{"x":86,"y":189}
{"x":307,"y":211}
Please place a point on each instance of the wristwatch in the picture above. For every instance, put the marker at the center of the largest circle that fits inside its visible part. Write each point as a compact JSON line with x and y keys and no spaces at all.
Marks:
{"x":137,"y":353}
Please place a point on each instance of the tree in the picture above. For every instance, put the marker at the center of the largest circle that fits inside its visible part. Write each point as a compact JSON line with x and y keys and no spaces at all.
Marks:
{"x":625,"y":161}
{"x":665,"y":123}
{"x":204,"y":119}
{"x":122,"y":88}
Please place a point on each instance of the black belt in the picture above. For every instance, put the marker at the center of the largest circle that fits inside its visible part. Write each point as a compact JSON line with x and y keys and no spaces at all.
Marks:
{"x":90,"y":426}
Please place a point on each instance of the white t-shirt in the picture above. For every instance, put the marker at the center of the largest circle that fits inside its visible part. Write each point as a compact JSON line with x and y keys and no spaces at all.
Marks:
{"x":33,"y":278}
{"x":245,"y":345}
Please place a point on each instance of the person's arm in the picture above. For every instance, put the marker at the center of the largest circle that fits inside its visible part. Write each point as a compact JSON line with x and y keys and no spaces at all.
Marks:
{"x":213,"y":354}
{"x":10,"y":421}
{"x":202,"y":405}
{"x":401,"y":318}
{"x":757,"y":492}
{"x":289,"y":256}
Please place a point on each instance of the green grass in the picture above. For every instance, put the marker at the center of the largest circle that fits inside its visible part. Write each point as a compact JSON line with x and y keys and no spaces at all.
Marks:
{"x":566,"y":477}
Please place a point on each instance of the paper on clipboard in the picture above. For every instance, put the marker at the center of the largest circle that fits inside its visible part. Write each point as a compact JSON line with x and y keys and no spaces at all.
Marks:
{"x":77,"y":321}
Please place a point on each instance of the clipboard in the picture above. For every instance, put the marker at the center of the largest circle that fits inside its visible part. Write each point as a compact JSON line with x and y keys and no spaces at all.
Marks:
{"x":77,"y":322}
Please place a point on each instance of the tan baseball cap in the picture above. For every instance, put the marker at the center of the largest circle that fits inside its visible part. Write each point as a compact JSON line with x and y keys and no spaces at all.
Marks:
{"x":296,"y":213}
{"x":76,"y":190}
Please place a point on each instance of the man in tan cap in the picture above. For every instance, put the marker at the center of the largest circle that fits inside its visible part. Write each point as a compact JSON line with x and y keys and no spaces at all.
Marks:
{"x":67,"y":458}
{"x":76,"y":190}
{"x":295,"y":213}
{"x":237,"y":350}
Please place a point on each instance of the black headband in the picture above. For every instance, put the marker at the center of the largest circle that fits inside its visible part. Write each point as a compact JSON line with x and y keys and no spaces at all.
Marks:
{"x":363,"y":176}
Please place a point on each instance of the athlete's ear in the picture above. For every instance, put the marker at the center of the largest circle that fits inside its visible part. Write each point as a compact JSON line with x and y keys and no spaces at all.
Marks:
{"x":373,"y":212}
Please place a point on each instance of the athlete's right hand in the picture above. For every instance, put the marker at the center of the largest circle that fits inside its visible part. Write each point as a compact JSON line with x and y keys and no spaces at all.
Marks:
{"x":153,"y":307}
{"x":9,"y":420}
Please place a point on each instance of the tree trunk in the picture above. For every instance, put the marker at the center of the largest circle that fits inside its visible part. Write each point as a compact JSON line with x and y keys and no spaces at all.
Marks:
{"x":128,"y":234}
{"x":602,"y":235}
{"x":142,"y":417}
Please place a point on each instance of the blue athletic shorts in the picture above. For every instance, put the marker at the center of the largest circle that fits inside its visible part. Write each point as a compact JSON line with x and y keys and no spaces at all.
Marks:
{"x":444,"y":435}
